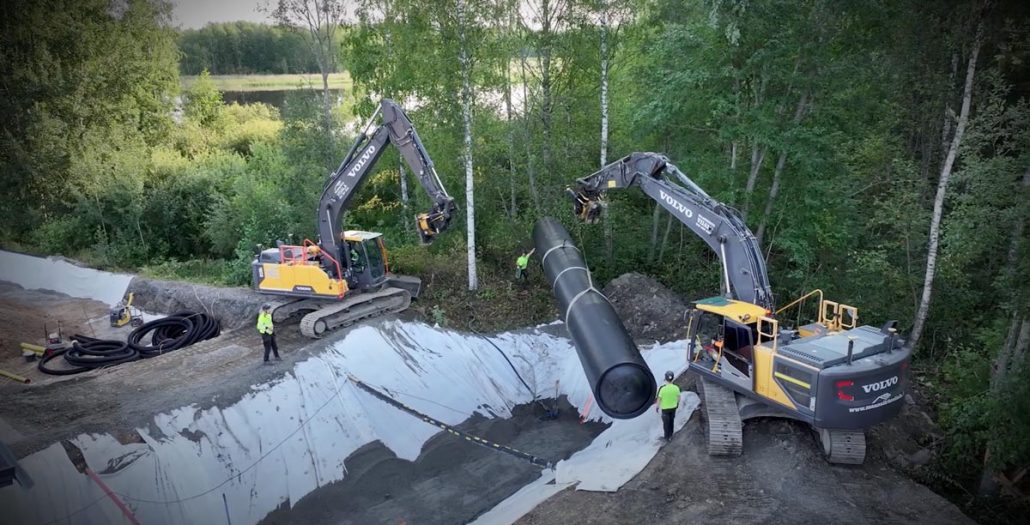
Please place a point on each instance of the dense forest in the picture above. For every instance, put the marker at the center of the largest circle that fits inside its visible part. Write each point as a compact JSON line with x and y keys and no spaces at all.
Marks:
{"x":241,"y":48}
{"x":879,"y":151}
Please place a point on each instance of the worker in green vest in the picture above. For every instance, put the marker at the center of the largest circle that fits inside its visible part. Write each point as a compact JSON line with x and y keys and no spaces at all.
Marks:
{"x":668,"y":400}
{"x":267,"y":331}
{"x":522,"y":264}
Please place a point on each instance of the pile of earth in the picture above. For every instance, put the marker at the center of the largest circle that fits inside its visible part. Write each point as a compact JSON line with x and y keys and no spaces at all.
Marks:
{"x":648,"y":309}
{"x":235,"y":307}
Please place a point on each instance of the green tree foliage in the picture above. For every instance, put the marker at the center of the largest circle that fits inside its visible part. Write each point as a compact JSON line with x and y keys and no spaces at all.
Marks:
{"x":240,"y":48}
{"x":203,"y":102}
{"x":77,"y":75}
{"x":826,"y":122}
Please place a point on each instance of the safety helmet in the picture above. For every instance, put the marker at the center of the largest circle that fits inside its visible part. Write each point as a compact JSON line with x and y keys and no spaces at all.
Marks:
{"x":669,"y":375}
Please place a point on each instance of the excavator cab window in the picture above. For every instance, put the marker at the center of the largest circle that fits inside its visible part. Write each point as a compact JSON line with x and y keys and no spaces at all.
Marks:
{"x":738,"y":345}
{"x":374,"y":256}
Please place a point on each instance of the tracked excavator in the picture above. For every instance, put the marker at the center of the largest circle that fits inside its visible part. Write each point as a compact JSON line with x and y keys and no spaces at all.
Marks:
{"x":344,"y":277}
{"x":754,"y":360}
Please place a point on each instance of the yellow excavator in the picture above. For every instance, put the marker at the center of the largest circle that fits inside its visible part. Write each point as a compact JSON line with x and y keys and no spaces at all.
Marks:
{"x":344,"y":276}
{"x":755,"y":360}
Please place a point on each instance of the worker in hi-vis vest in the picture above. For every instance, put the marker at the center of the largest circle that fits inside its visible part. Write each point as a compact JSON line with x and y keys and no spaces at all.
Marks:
{"x":267,"y":331}
{"x":522,"y":265}
{"x":668,"y":400}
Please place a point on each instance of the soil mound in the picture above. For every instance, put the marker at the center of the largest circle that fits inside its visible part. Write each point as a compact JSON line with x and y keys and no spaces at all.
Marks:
{"x":234,"y":307}
{"x":648,"y":308}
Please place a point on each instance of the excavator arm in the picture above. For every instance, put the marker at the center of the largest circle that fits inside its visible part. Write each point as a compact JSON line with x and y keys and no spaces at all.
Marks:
{"x":343,"y":183}
{"x":719,"y":226}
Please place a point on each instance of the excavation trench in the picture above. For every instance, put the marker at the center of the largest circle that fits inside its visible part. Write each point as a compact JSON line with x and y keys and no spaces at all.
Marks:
{"x":310,"y":445}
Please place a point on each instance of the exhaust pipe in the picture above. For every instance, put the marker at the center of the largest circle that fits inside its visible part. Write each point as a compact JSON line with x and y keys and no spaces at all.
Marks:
{"x":621,"y":381}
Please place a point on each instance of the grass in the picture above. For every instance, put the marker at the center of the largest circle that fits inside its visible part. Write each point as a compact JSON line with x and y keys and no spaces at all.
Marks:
{"x":274,"y":82}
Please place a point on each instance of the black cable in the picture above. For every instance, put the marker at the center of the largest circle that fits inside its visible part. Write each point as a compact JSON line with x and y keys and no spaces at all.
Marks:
{"x":535,"y":460}
{"x":512,"y":365}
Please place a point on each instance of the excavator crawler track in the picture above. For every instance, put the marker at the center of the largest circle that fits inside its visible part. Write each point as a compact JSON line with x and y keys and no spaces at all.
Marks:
{"x":843,"y":446}
{"x":725,"y":430}
{"x":353,"y":309}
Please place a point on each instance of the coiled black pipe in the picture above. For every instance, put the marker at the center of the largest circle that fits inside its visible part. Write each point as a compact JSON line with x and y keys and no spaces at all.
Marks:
{"x":94,"y":353}
{"x":621,"y":381}
{"x":42,"y":366}
{"x":177,"y":325}
{"x":176,"y":331}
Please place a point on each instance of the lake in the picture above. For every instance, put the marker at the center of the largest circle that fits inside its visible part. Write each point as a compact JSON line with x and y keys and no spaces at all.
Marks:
{"x":276,"y":97}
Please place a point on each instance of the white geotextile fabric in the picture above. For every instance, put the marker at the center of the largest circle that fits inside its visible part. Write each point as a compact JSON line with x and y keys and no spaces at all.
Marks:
{"x":286,"y":438}
{"x":610,"y":461}
{"x":36,"y":273}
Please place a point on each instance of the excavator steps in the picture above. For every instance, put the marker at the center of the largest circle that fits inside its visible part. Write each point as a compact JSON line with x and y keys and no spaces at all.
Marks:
{"x":725,"y":430}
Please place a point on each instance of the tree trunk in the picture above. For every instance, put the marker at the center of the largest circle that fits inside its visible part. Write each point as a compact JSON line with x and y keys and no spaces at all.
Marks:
{"x":604,"y":86}
{"x":512,"y":211}
{"x":942,"y":189}
{"x":757,"y":157}
{"x":665,"y":238}
{"x":1011,"y":355}
{"x":774,"y":190}
{"x":545,"y":82}
{"x":466,"y":117}
{"x":404,"y":182}
{"x":530,"y":167}
{"x":655,"y":217}
{"x":327,"y":118}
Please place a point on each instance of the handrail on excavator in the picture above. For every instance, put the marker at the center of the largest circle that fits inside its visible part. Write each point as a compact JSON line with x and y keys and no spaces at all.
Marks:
{"x":802,"y":298}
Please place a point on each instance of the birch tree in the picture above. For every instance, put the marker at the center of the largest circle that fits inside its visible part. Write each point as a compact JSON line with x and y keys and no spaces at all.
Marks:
{"x":320,"y":21}
{"x":465,"y":60}
{"x":942,"y":190}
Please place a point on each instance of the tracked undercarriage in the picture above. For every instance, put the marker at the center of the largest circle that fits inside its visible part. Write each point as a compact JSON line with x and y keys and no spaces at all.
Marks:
{"x":321,"y":316}
{"x":725,"y":412}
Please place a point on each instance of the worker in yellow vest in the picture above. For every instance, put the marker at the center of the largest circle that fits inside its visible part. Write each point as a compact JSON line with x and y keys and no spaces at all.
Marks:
{"x":522,"y":265}
{"x":668,"y":400}
{"x":267,"y":331}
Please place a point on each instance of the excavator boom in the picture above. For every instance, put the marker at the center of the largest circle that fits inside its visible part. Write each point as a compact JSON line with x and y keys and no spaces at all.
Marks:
{"x":719,"y":226}
{"x":343,"y":183}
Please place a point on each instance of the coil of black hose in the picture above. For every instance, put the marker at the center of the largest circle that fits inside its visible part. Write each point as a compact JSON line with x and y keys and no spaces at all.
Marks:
{"x":58,"y":371}
{"x":94,"y":353}
{"x":204,"y":327}
{"x":180,"y":326}
{"x":176,"y":331}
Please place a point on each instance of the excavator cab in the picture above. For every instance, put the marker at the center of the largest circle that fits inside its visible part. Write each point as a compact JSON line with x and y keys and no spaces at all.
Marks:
{"x":365,"y":259}
{"x":722,"y":335}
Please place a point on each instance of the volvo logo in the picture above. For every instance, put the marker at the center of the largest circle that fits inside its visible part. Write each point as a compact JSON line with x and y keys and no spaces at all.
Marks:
{"x":876,"y":387}
{"x":677,"y":205}
{"x":361,"y":161}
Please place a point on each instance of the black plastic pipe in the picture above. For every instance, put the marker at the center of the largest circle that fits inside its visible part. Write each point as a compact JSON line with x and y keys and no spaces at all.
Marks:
{"x":623,"y":385}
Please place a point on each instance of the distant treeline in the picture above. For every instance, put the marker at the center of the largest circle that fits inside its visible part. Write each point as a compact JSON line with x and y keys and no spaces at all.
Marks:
{"x":240,"y":48}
